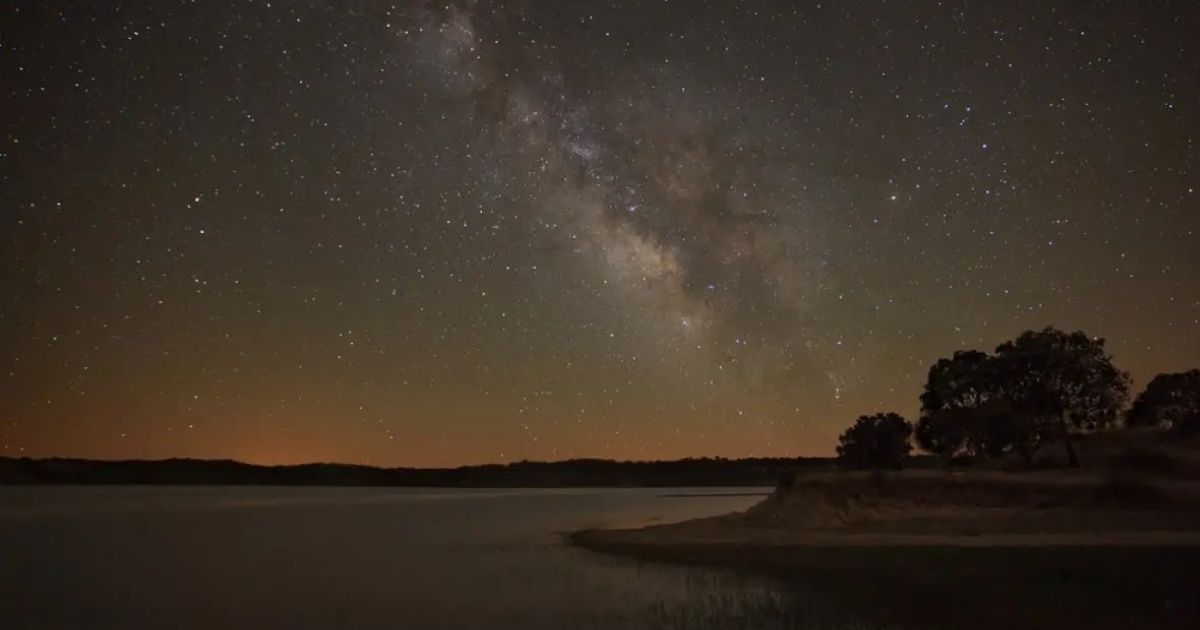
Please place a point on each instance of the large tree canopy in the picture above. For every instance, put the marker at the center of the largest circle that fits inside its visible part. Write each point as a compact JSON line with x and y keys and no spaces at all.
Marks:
{"x":961,"y":406}
{"x":1040,"y":386}
{"x":962,"y":381}
{"x":1170,"y":401}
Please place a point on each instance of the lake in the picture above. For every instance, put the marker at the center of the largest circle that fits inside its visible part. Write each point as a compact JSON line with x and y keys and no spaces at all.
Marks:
{"x":283,"y":557}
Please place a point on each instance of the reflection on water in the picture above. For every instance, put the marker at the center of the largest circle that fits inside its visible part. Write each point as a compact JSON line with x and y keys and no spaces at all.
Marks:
{"x":356,"y":557}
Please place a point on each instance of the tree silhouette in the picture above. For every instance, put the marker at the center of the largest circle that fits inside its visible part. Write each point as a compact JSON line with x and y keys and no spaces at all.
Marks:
{"x":962,"y":381}
{"x":945,"y":432}
{"x":876,"y":441}
{"x":1061,"y":382}
{"x":1170,"y":401}
{"x":1001,"y":427}
{"x":951,"y":421}
{"x":1040,"y":386}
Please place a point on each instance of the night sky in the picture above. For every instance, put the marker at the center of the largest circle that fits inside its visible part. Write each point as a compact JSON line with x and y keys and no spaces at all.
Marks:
{"x":422,"y":234}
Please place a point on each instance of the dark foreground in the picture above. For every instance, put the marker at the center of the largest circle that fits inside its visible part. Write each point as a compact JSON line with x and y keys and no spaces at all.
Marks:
{"x":1088,"y":587}
{"x":935,"y":551}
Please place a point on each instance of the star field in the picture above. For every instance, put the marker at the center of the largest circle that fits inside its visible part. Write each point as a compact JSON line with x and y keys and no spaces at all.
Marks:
{"x":437,"y":233}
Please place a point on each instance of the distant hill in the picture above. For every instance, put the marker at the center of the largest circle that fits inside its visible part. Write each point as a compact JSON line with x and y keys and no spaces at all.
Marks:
{"x":576,"y":472}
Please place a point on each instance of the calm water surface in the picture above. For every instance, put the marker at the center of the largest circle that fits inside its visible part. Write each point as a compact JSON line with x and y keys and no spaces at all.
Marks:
{"x":208,"y":557}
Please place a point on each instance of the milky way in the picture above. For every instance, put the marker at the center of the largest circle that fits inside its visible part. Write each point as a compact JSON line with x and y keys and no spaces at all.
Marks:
{"x":438,"y":233}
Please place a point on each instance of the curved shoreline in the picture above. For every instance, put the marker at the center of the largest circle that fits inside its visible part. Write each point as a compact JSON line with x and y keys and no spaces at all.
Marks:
{"x":1026,"y":567}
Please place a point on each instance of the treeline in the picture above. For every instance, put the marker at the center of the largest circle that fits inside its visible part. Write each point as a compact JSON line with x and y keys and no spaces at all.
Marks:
{"x":578,"y":472}
{"x":1042,"y":388}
